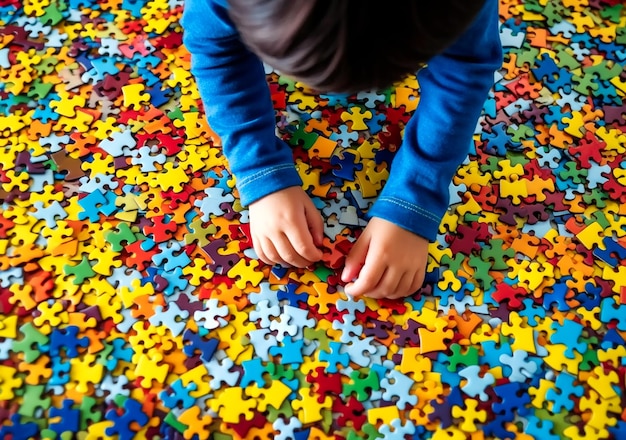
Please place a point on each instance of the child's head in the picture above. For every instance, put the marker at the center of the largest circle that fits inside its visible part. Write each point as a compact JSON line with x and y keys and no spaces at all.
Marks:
{"x":350,"y":45}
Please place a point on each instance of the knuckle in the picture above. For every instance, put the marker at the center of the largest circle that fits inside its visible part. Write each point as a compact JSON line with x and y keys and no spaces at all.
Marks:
{"x":294,"y":260}
{"x":419,"y":282}
{"x":378,"y":294}
{"x":387,"y":293}
{"x":298,"y":243}
{"x":273,"y":256}
{"x":369,"y":279}
{"x":403,"y":293}
{"x":290,"y":255}
{"x":260,"y":254}
{"x":287,"y":217}
{"x":310,"y":254}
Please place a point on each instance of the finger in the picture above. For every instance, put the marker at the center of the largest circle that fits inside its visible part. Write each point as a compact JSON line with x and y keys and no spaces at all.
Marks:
{"x":387,"y":288}
{"x":403,"y":287}
{"x":315,"y":224}
{"x":418,"y":281}
{"x":289,"y":253}
{"x":302,"y":241}
{"x":271,"y":253}
{"x":258,"y":249}
{"x":368,"y":279}
{"x":355,"y":259}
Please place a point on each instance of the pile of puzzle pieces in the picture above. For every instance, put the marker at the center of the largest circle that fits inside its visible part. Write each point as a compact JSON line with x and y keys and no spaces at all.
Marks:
{"x":132,"y":304}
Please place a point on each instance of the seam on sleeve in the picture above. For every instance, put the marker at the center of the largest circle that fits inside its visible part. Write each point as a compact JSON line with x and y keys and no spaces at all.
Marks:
{"x":411,"y":207}
{"x":260,"y":174}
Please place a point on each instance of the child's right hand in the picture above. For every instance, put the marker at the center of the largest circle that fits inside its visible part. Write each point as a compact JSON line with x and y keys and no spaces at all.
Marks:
{"x":287,"y":228}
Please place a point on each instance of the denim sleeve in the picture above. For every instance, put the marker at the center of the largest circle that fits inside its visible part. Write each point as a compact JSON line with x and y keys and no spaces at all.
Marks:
{"x":232,"y":84}
{"x":453,"y":89}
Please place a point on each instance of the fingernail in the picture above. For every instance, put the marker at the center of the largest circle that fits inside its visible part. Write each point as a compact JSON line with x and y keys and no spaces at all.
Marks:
{"x":348,"y":290}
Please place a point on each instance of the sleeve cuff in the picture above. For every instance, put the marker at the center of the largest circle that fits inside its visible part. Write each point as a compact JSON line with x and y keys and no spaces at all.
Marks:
{"x":407,"y":215}
{"x":267,"y":181}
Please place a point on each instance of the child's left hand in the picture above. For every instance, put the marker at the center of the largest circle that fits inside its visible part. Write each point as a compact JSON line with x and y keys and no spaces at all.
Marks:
{"x":387,"y":261}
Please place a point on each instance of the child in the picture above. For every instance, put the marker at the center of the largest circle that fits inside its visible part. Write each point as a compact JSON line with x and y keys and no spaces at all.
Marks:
{"x":346,"y":46}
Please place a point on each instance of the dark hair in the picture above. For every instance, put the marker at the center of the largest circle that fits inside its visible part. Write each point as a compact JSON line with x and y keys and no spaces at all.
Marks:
{"x":350,"y":45}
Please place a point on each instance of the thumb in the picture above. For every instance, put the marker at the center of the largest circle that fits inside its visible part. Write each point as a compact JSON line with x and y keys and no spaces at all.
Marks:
{"x":355,"y":259}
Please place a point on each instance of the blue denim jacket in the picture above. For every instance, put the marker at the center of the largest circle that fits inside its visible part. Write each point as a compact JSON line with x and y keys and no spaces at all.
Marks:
{"x":453,"y":88}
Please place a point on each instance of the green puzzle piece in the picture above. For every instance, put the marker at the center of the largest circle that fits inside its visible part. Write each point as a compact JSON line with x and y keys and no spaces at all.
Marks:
{"x":462,"y":356}
{"x":362,"y":386}
{"x":285,"y":411}
{"x":496,"y":253}
{"x":32,"y":400}
{"x":88,"y":412}
{"x":123,"y":234}
{"x":81,"y":271}
{"x":32,"y":337}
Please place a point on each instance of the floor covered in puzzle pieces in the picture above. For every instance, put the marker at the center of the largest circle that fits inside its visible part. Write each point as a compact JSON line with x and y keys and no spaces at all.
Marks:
{"x":131,"y":304}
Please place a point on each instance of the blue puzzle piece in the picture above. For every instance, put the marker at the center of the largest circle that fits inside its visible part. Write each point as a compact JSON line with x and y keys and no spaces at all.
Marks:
{"x":558,"y":296}
{"x":158,"y":97}
{"x":176,"y":281}
{"x":45,"y":114}
{"x":171,"y":256}
{"x":590,"y":297}
{"x":91,"y":204}
{"x":134,"y":7}
{"x":375,"y":125}
{"x":556,"y":115}
{"x":612,"y":339}
{"x":60,"y":372}
{"x":613,"y":252}
{"x":568,"y":334}
{"x":70,"y":418}
{"x":336,"y":99}
{"x":447,"y":376}
{"x":288,"y":292}
{"x":131,"y":413}
{"x":334,"y":357}
{"x":302,"y":435}
{"x":67,"y":339}
{"x":383,"y":156}
{"x":538,"y":428}
{"x":476,"y":385}
{"x":611,"y":312}
{"x":18,"y":430}
{"x":532,"y":311}
{"x":193,"y":342}
{"x":492,"y":352}
{"x":178,"y":395}
{"x":253,"y":371}
{"x":290,"y":351}
{"x":562,"y":395}
{"x":514,"y":400}
{"x":496,"y":429}
{"x":346,"y":166}
{"x":619,"y":430}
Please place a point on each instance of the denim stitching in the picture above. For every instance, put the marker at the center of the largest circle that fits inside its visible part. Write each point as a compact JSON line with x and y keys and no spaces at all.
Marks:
{"x":262,"y":173}
{"x":411,"y":207}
